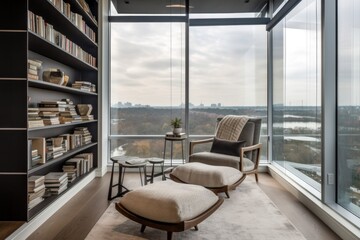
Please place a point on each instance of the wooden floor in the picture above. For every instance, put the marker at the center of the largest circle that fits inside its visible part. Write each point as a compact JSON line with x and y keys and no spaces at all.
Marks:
{"x":79,"y":215}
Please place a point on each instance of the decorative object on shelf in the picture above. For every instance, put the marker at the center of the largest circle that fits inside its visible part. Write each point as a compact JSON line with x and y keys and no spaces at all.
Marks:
{"x":55,"y":76}
{"x":176,"y":124}
{"x":84,"y":109}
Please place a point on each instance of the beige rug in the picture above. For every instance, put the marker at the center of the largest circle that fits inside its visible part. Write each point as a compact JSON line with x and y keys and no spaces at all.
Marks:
{"x":248,"y":215}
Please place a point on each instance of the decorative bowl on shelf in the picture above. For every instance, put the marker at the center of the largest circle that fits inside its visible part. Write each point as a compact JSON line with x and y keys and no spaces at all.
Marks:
{"x":84,"y":109}
{"x":55,"y":76}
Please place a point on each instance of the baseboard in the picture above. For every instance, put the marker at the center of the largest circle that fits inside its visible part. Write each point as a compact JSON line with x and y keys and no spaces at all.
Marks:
{"x":341,"y":226}
{"x":29,"y":227}
{"x":100,"y":172}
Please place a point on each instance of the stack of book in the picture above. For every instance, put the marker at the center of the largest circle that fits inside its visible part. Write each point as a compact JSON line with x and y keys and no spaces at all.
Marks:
{"x":56,"y":182}
{"x":85,"y":135}
{"x":87,"y":161}
{"x":79,"y":165}
{"x":54,"y":148}
{"x":71,"y":172}
{"x":69,"y":114}
{"x":73,"y":166}
{"x":33,"y":69}
{"x":34,"y":119}
{"x":84,"y":86}
{"x":58,"y":112}
{"x":35,"y":157}
{"x":36,"y":190}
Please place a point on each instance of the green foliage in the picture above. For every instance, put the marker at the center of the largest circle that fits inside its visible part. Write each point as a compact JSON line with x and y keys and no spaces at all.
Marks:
{"x":176,"y":122}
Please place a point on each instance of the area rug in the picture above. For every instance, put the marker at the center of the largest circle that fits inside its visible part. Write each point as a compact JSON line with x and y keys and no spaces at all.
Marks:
{"x":248,"y":214}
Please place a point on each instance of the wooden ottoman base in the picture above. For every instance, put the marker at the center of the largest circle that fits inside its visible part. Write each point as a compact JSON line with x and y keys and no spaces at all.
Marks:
{"x":169,"y":206}
{"x":168,"y":227}
{"x":199,"y":174}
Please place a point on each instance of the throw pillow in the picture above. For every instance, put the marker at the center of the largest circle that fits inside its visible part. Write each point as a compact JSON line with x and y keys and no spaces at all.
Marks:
{"x":227,"y":147}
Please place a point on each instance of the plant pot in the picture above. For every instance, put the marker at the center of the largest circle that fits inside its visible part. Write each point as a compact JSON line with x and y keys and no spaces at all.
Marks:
{"x":177,"y":131}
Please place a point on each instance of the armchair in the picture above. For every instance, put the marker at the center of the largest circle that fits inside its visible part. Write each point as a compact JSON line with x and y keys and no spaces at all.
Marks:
{"x":247,"y":161}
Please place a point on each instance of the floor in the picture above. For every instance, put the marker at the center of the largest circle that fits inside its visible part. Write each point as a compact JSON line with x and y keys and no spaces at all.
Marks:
{"x":79,"y":215}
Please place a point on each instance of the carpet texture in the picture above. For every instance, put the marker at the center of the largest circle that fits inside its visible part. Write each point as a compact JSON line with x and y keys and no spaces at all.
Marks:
{"x":248,"y":215}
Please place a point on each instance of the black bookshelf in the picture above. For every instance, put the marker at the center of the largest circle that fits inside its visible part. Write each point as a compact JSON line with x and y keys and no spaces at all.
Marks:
{"x":47,"y":201}
{"x":66,"y":155}
{"x":18,"y":93}
{"x":53,"y":16}
{"x":49,"y":49}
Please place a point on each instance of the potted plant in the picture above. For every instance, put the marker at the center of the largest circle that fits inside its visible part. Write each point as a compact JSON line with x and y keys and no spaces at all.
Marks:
{"x":176,"y":124}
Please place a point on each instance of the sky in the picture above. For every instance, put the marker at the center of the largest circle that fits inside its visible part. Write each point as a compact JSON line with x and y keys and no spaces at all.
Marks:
{"x":227,"y":63}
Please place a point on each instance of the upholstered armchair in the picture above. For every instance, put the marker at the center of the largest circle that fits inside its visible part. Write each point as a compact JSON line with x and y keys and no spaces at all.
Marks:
{"x":245,"y":155}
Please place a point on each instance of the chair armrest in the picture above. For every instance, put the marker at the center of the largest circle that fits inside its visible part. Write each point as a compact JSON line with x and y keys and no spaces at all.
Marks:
{"x":243,"y":150}
{"x":197,"y":142}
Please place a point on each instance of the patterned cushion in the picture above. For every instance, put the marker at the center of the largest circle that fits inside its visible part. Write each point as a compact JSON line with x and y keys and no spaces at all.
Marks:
{"x":207,"y":175}
{"x":168,"y":201}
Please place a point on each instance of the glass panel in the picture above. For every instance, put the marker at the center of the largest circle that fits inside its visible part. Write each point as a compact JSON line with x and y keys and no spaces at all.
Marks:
{"x":147,"y":77}
{"x":228,"y":75}
{"x":297,"y":94}
{"x":349,"y":106}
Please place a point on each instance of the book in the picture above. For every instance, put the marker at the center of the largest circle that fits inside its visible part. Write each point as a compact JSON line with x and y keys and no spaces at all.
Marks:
{"x":34,"y":62}
{"x":35,"y":202}
{"x":171,"y":134}
{"x":39,"y":144}
{"x":36,"y":180}
{"x":135,"y":161}
{"x":36,"y":189}
{"x":55,"y":177}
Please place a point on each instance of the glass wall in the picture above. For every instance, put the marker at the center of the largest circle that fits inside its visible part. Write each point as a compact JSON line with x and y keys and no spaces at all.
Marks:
{"x":228,"y":75}
{"x":348,"y":128}
{"x":147,"y":86}
{"x":297,"y":94}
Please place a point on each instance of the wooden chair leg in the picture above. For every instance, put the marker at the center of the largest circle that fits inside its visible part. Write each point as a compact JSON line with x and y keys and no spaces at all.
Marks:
{"x":169,"y":235}
{"x":256,"y":177}
{"x":142,"y":228}
{"x":227,"y":194}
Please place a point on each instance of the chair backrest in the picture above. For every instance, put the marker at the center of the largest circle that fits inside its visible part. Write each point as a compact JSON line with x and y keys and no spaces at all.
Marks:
{"x":251,"y":134}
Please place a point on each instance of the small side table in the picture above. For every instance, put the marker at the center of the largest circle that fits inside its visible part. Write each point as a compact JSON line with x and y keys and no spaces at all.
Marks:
{"x":173,"y":139}
{"x":122,"y":166}
{"x":150,"y":178}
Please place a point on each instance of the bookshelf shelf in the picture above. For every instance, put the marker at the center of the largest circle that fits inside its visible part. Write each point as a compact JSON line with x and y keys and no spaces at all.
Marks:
{"x":50,"y":50}
{"x":51,"y":86}
{"x":47,"y":201}
{"x":78,"y":8}
{"x":61,"y":125}
{"x":61,"y":158}
{"x":53,"y":16}
{"x":26,"y":55}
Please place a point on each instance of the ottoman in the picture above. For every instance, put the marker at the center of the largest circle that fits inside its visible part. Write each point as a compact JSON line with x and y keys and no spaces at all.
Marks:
{"x":169,"y":206}
{"x":216,"y":178}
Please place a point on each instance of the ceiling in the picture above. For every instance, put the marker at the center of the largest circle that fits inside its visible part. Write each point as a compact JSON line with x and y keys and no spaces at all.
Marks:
{"x":196,"y":6}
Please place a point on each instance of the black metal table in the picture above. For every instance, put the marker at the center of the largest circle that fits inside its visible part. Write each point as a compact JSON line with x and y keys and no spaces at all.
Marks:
{"x":172,"y":140}
{"x":150,"y":178}
{"x":122,"y":167}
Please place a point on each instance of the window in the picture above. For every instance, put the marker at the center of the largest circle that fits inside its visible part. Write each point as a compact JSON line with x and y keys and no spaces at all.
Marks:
{"x":228,"y":75}
{"x":297,"y":94}
{"x":348,"y":128}
{"x":147,"y":85}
